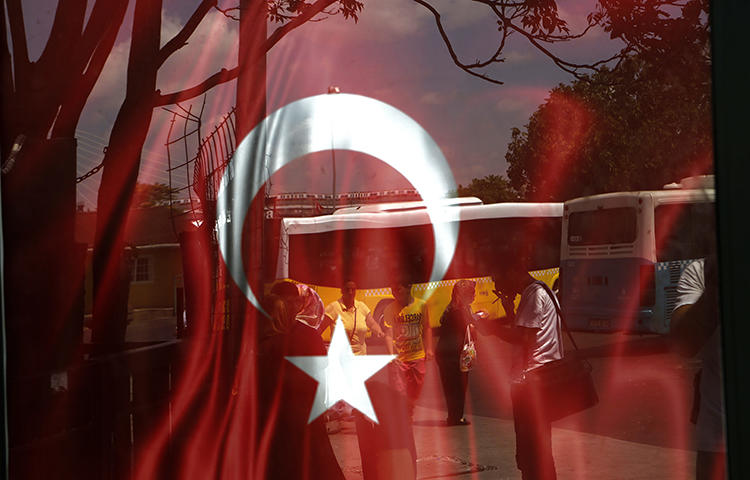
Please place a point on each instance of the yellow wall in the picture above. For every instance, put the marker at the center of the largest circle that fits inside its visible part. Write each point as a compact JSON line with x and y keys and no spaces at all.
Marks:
{"x":157,"y":293}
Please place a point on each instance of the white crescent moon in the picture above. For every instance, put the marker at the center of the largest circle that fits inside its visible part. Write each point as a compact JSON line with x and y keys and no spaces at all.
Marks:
{"x":325,"y":122}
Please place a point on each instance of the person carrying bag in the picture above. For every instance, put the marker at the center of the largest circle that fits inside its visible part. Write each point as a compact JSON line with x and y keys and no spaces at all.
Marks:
{"x":566,"y":385}
{"x":455,"y":352}
{"x":541,"y":374}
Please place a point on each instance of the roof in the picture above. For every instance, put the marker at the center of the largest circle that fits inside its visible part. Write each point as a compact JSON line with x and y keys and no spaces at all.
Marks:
{"x":405,"y":206}
{"x":439,"y":214}
{"x":659,"y":196}
{"x":145,"y":226}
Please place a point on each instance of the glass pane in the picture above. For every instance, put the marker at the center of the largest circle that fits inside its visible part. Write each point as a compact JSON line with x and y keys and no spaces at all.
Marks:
{"x":602,"y":227}
{"x":172,"y":201}
{"x":682,"y":233}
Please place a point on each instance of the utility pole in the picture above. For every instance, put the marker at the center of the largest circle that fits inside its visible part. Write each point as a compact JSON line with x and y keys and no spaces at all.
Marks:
{"x":333,"y":89}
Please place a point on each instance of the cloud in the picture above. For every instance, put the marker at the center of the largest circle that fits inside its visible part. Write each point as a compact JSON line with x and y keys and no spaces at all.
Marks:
{"x":521,"y":100}
{"x":432,"y":98}
{"x":379,"y":21}
{"x":457,"y":14}
{"x":394,"y":18}
{"x":109,"y":91}
{"x":517,"y":56}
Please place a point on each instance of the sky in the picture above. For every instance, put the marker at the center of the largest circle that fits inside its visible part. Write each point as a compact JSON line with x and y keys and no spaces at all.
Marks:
{"x":393,"y":53}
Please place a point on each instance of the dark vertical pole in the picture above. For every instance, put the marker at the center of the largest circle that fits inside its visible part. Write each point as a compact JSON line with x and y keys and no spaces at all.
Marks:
{"x":731,"y":80}
{"x":3,"y":362}
{"x":333,"y":186}
{"x":251,"y":109}
{"x":251,"y":105}
{"x":251,"y":81}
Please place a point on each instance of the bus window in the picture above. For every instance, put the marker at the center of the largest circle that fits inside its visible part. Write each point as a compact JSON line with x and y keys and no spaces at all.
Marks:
{"x":681,"y":232}
{"x":485,"y":243}
{"x":602,"y":227}
{"x":544,"y":235}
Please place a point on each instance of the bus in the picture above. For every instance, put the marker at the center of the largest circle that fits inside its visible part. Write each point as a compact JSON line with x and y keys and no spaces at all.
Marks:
{"x":622,"y":254}
{"x":375,"y":247}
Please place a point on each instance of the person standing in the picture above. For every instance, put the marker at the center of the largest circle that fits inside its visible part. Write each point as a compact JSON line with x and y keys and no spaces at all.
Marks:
{"x":535,"y":332}
{"x":409,"y":337}
{"x":355,"y":316}
{"x":456,"y":318}
{"x":695,"y":330}
{"x":292,"y":447}
{"x":357,"y":319}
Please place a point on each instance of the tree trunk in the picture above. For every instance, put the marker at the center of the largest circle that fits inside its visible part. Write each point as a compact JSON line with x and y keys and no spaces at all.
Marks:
{"x":251,"y":109}
{"x":111,"y":267}
{"x":43,"y":280}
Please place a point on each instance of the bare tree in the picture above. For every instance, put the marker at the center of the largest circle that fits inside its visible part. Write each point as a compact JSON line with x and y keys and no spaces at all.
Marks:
{"x":42,"y":103}
{"x":122,"y":160}
{"x":44,"y":99}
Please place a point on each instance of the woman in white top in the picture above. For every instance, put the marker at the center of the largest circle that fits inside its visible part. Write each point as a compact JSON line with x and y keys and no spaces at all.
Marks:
{"x":355,"y":316}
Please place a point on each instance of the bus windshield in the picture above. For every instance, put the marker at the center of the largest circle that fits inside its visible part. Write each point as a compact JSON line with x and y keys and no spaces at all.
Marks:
{"x":602,"y":226}
{"x":682,"y":231}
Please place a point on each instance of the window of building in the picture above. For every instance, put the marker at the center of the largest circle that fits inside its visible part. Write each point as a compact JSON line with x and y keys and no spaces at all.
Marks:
{"x":143,"y":270}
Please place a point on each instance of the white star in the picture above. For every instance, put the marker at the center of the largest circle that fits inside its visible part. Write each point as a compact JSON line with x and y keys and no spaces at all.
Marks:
{"x":341,"y":375}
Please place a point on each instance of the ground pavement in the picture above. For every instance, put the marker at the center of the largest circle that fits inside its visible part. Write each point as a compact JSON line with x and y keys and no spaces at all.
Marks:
{"x":485,"y":449}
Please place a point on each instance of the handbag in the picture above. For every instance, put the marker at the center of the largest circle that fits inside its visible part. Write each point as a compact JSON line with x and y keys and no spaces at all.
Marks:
{"x":468,"y":352}
{"x":564,"y":386}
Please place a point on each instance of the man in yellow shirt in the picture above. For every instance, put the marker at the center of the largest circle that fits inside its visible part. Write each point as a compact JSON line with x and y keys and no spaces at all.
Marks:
{"x":409,"y":337}
{"x":355,"y":316}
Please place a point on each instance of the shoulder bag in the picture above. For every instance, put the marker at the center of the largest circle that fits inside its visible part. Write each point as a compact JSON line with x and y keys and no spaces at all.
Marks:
{"x":564,"y":386}
{"x":468,"y":352}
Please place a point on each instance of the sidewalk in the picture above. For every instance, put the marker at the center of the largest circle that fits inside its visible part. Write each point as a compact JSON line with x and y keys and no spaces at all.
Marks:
{"x":446,"y":452}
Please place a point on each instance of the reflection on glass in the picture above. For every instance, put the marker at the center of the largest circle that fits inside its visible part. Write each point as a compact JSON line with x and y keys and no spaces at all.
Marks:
{"x":134,"y":346}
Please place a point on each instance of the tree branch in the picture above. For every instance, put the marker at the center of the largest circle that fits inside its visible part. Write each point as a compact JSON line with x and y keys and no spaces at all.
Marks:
{"x":180,"y":40}
{"x":66,"y":31}
{"x":217,"y":78}
{"x":539,"y":25}
{"x":566,"y":66}
{"x":73,"y":105}
{"x":227,"y":12}
{"x":225,"y":75}
{"x":446,"y":40}
{"x":99,"y":20}
{"x":295,"y":22}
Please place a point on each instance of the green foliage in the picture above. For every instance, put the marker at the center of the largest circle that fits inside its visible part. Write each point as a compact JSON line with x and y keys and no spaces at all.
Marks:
{"x":637,"y":127}
{"x":283,"y":11}
{"x":490,"y":189}
{"x":149,"y":195}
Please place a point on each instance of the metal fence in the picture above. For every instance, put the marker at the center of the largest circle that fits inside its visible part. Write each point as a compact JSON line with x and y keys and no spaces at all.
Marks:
{"x":96,"y":426}
{"x":195,"y":173}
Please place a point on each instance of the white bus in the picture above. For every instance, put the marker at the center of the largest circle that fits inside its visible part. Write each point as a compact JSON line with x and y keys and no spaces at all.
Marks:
{"x":378,"y":246}
{"x":623,"y":253}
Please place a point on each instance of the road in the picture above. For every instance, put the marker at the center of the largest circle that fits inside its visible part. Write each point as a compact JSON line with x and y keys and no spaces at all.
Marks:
{"x":645,"y":391}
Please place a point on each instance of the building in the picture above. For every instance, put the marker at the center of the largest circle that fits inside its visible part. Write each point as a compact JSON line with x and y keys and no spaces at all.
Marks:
{"x":156,"y":288}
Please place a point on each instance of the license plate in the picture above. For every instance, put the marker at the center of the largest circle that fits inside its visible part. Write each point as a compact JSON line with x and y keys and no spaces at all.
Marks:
{"x":600,"y":323}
